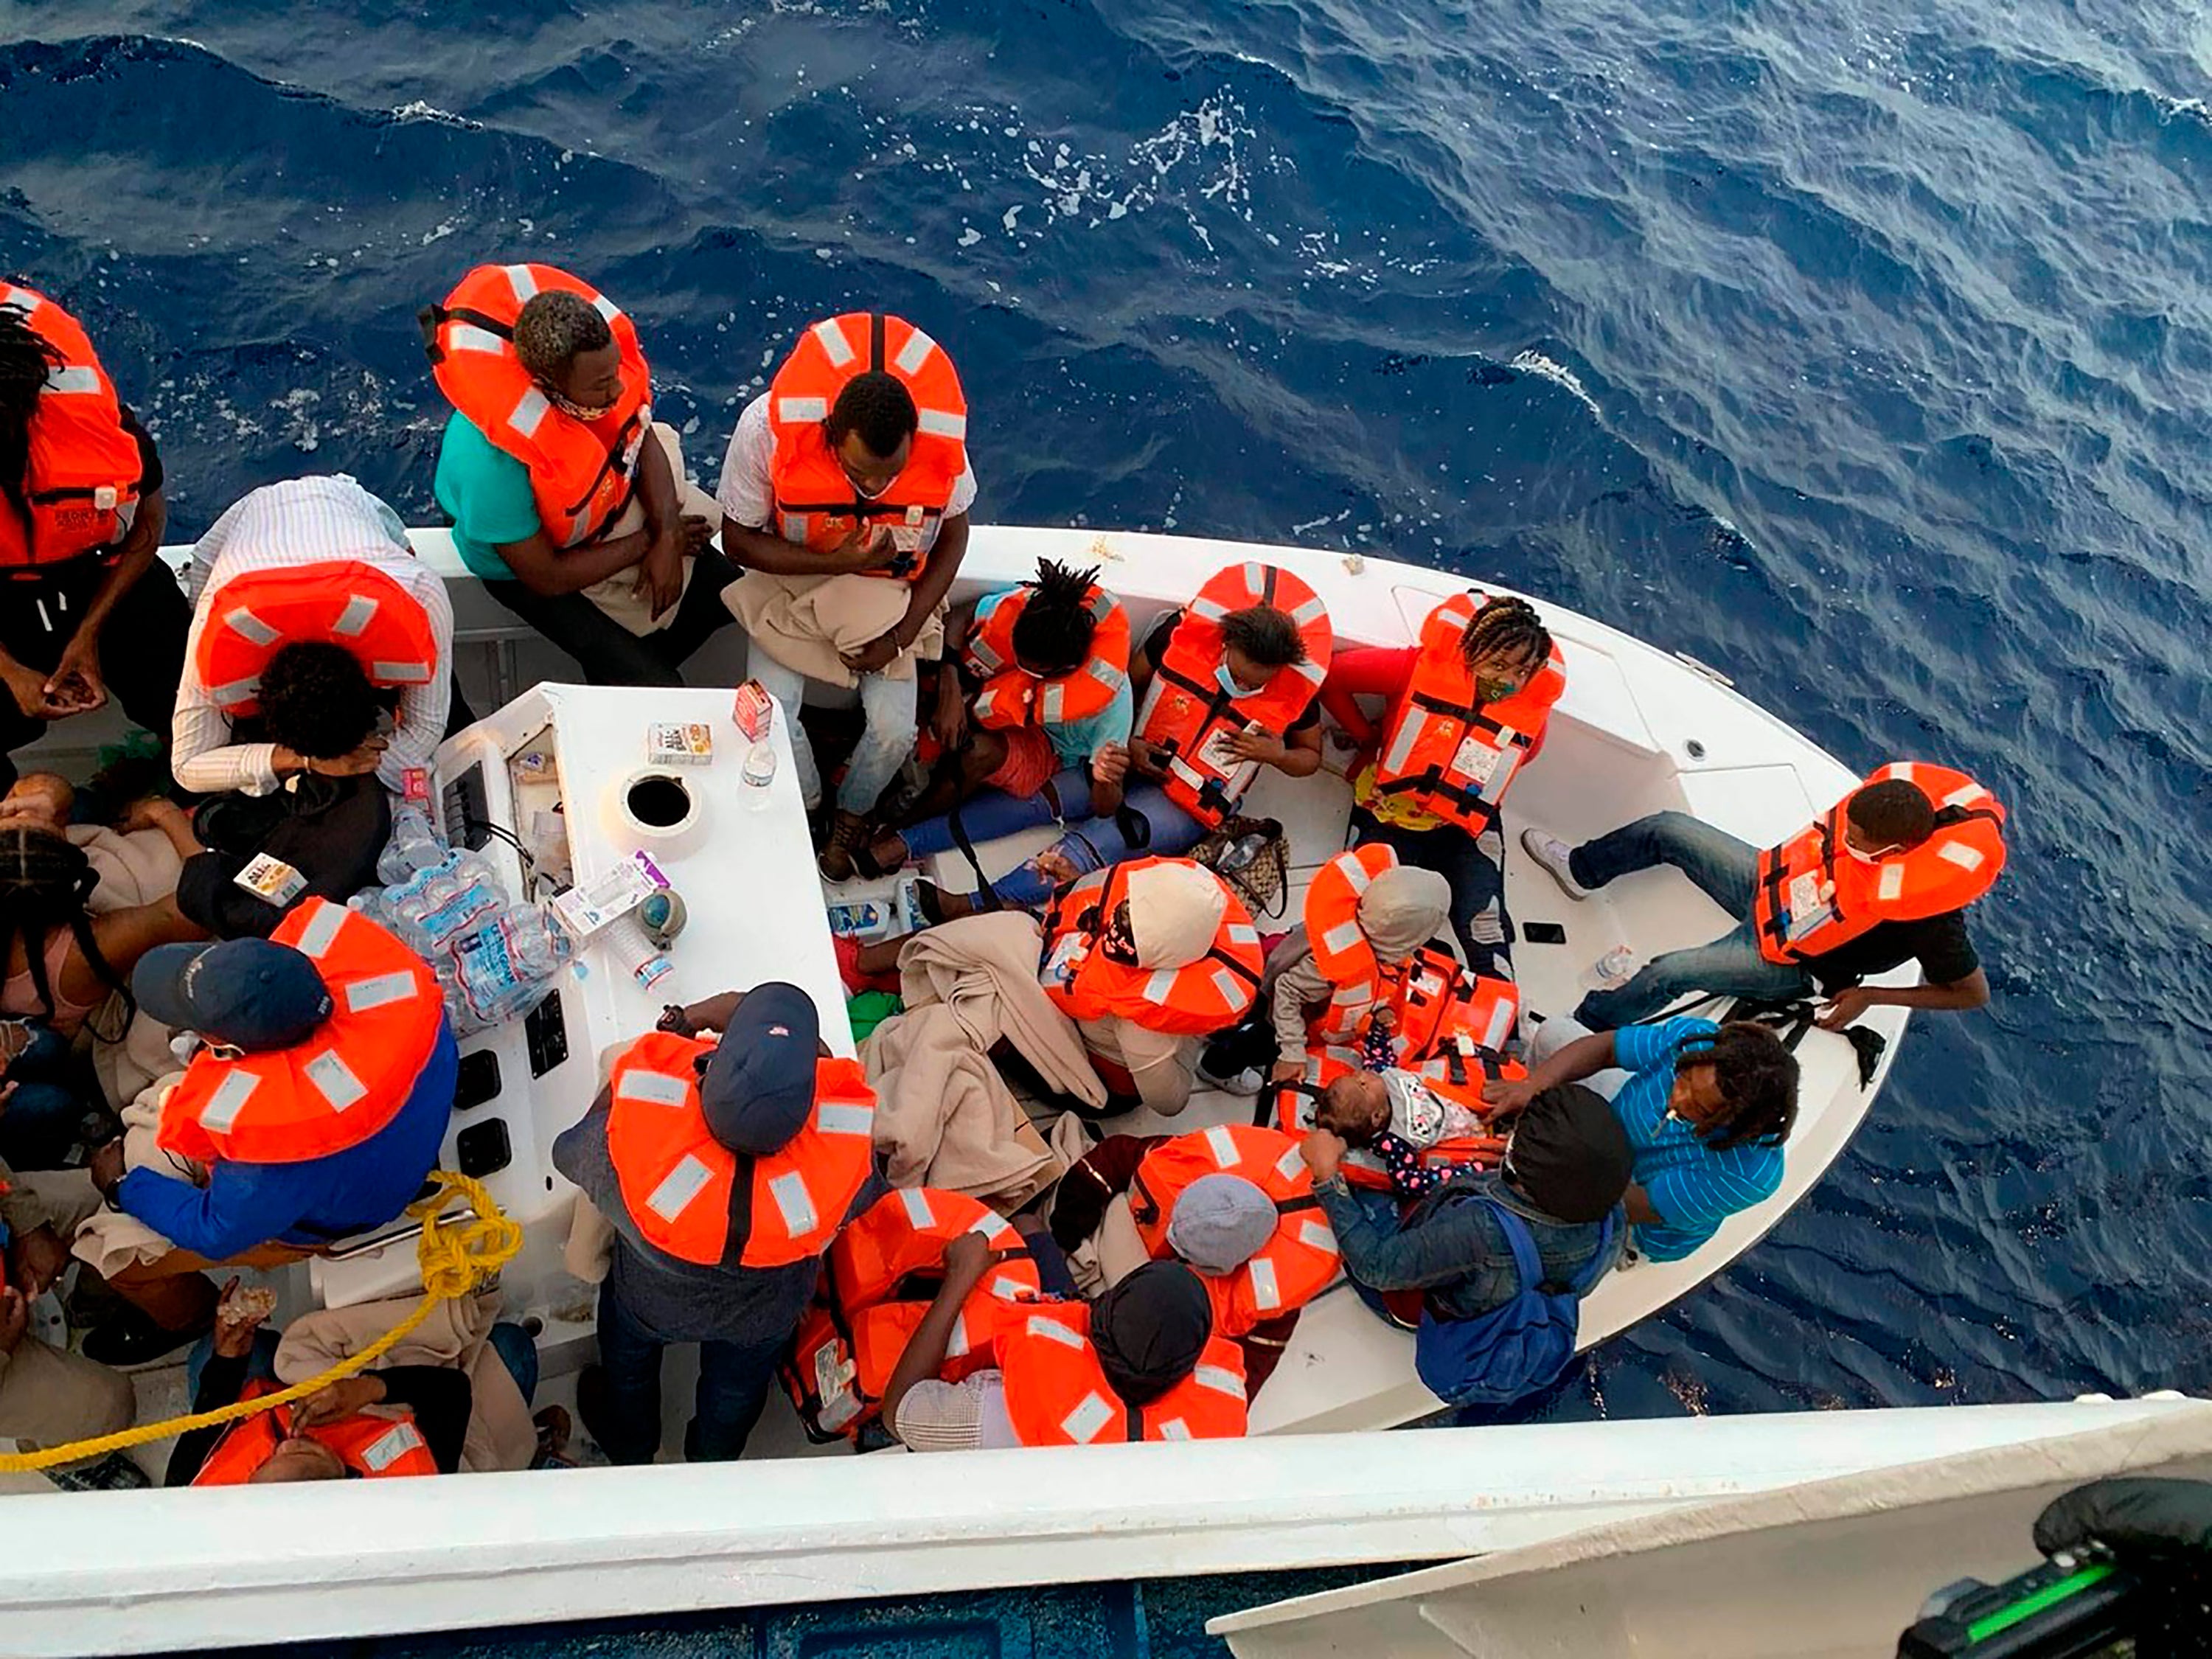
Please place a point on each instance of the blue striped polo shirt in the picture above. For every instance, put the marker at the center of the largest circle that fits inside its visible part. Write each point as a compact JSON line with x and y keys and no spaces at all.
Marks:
{"x":1693,"y":1187}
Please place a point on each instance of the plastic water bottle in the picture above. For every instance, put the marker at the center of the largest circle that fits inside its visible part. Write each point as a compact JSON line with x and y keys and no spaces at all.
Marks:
{"x":504,"y":968}
{"x":759,"y":773}
{"x":639,"y":956}
{"x":1614,"y":968}
{"x":1240,"y":853}
{"x":436,"y":906}
{"x":413,"y":847}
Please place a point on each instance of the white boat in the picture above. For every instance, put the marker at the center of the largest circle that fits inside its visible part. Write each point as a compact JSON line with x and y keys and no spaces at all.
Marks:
{"x":1637,"y":730}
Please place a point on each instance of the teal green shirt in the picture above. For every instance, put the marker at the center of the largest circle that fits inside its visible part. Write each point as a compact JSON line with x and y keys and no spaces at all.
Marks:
{"x":487,"y":492}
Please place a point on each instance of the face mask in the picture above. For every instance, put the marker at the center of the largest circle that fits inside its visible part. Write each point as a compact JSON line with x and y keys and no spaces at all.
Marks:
{"x":1227,"y":681}
{"x":1868,"y":858}
{"x":580,"y":411}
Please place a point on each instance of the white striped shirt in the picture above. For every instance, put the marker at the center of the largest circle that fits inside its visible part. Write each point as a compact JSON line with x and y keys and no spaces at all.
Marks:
{"x":304,"y":521}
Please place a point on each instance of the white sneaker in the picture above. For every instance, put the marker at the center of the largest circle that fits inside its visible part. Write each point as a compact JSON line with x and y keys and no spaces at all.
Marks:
{"x":1551,"y":854}
{"x":1248,"y":1082}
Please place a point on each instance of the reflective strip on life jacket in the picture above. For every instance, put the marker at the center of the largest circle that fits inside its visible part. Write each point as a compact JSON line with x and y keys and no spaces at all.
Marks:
{"x":345,"y":602}
{"x":699,"y":1201}
{"x":372,"y":1443}
{"x":1296,"y":1262}
{"x":1187,"y":716}
{"x":582,"y":474}
{"x":345,"y":1082}
{"x":816,"y":504}
{"x":1011,"y":696}
{"x":1813,"y":896}
{"x":1453,"y":754}
{"x":1057,"y":1393}
{"x":1203,"y":996}
{"x":82,"y":464}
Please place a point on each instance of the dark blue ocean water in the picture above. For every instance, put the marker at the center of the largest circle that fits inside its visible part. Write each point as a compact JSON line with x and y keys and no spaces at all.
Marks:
{"x":1858,"y":348}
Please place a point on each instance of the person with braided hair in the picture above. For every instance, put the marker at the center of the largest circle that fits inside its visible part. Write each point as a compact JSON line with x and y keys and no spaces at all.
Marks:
{"x":61,"y":963}
{"x":1707,"y":1108}
{"x":1033,"y":707}
{"x":84,"y":607}
{"x":1467,"y":708}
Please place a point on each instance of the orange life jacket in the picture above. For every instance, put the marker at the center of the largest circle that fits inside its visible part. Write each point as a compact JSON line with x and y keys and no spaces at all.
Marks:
{"x":582,"y":473}
{"x":881,"y":1275}
{"x":1454,"y":755}
{"x":1292,"y":1267}
{"x":1057,"y":1393}
{"x":1455,"y":1075}
{"x":84,"y":465}
{"x":343,"y":1084}
{"x":1012,"y":696}
{"x":1947,"y":871}
{"x":1342,"y":953}
{"x":344,"y":602}
{"x":370,"y":1446}
{"x":1207,"y":995}
{"x":1189,"y":717}
{"x":816,"y":504}
{"x":700,"y":1202}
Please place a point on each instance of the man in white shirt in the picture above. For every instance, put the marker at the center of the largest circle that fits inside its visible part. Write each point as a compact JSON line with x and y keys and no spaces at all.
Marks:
{"x":315,"y":684}
{"x":857,"y":610}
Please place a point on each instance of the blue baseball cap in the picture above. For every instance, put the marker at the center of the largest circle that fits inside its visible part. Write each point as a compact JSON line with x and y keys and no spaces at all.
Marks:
{"x":251,"y":993}
{"x":757,"y":1092}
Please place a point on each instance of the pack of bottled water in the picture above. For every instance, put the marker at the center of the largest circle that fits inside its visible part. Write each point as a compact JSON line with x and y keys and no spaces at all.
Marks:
{"x":494,"y":957}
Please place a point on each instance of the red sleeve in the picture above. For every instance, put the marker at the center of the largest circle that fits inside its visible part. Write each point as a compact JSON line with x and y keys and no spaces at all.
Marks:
{"x":1366,"y":670}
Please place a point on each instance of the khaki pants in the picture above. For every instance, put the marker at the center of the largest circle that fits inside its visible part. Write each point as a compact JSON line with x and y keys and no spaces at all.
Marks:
{"x":48,"y":1396}
{"x":52,"y":1398}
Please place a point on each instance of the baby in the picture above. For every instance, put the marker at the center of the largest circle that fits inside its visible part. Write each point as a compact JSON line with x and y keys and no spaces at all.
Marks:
{"x":1397,"y":1117}
{"x":39,"y":801}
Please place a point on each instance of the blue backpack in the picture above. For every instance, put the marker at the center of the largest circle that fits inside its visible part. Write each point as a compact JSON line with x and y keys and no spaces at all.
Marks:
{"x":1516,"y":1349}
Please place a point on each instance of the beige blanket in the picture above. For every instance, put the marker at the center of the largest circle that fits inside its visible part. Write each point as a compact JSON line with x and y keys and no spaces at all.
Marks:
{"x":134,"y":867}
{"x":501,"y":1435}
{"x":984,"y":969}
{"x":617,"y":595}
{"x":804,"y":621}
{"x":944,"y":1118}
{"x":109,"y":1240}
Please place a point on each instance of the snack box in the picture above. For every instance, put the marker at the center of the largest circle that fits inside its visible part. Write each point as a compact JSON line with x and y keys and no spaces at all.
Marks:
{"x":677,"y":743}
{"x":753,"y":710}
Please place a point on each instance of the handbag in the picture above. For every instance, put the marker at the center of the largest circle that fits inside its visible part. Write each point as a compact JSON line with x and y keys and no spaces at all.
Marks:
{"x":1253,"y":856}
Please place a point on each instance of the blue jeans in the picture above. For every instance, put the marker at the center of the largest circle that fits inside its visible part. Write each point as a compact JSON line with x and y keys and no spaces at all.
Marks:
{"x":1477,"y":884}
{"x":45,"y":1116}
{"x":888,"y":707}
{"x":518,"y":1351}
{"x":734,"y":1379}
{"x":1090,"y":843}
{"x":1726,"y":870}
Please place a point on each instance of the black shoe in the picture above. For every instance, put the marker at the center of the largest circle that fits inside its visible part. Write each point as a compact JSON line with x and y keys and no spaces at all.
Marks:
{"x":131,"y":1338}
{"x":114,"y":1473}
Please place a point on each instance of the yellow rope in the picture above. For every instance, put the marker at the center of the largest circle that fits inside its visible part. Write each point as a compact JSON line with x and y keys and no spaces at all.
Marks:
{"x":455,"y":1258}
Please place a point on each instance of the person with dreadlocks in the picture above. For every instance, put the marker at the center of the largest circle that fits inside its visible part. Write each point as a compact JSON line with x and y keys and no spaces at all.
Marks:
{"x":1706,"y":1108}
{"x":1467,"y":710}
{"x":1883,"y":878}
{"x":845,"y":494}
{"x":63,"y":963}
{"x":83,"y":608}
{"x":568,"y":498}
{"x":1034,"y":708}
